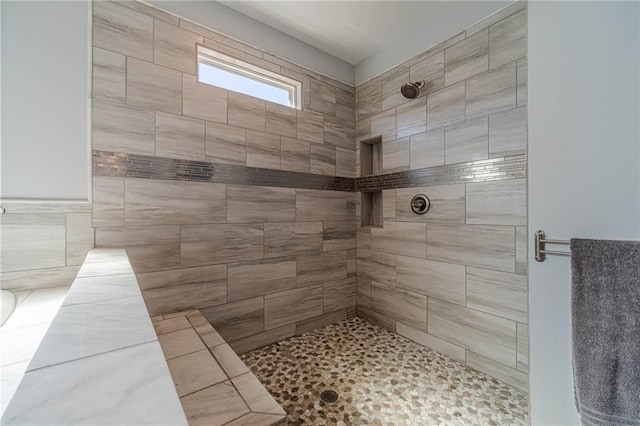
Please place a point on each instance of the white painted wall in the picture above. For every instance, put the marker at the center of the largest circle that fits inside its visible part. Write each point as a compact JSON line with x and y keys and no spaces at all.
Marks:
{"x":243,"y":28}
{"x":584,"y":166}
{"x":45,"y":99}
{"x":455,"y":18}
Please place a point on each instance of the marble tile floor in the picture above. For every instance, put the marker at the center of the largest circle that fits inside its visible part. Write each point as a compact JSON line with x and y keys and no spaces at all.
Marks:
{"x":382,"y":379}
{"x":22,"y":333}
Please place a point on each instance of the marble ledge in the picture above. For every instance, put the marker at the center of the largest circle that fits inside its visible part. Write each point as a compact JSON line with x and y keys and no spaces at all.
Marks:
{"x":100,"y":347}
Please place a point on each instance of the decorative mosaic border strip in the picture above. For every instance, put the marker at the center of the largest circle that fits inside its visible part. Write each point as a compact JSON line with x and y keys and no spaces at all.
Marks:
{"x":501,"y":168}
{"x":118,"y":164}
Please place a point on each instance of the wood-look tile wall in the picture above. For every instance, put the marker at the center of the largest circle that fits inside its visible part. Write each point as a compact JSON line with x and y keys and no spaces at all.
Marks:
{"x":455,"y":278}
{"x":261,"y":263}
{"x":43,"y":242}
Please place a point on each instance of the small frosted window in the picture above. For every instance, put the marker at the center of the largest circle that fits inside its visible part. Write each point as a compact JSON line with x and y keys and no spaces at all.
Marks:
{"x":229,"y":73}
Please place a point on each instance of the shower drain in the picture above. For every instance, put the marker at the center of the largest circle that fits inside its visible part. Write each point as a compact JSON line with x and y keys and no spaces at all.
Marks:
{"x":329,"y":396}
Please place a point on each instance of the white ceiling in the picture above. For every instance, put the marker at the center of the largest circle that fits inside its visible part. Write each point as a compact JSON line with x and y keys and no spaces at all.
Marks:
{"x":349,"y":30}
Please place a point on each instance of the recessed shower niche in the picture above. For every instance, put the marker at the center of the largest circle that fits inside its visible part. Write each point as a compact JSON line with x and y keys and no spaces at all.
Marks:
{"x":371,"y":164}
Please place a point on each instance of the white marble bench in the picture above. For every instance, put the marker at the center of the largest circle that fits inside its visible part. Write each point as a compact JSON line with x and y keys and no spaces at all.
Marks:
{"x":104,"y":361}
{"x":100,"y":361}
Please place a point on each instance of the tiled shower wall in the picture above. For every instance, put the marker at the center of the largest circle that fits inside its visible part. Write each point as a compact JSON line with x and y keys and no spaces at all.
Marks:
{"x":455,"y":278}
{"x":182,"y":174}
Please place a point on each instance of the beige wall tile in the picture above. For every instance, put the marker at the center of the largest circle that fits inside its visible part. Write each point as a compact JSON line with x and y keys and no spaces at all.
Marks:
{"x":109,"y":71}
{"x":431,"y":71}
{"x":521,"y":80}
{"x":445,"y":281}
{"x":338,"y":235}
{"x":446,"y":106}
{"x":122,"y":30}
{"x":508,"y":39}
{"x":260,"y":277}
{"x":174,"y":47}
{"x":447,"y":204}
{"x":345,"y":162}
{"x":482,"y":333}
{"x":181,"y":289}
{"x":492,"y":92}
{"x":490,"y":247}
{"x":384,"y":124}
{"x":288,"y":307}
{"x":263,"y":150}
{"x":320,"y":321}
{"x":236,"y":320}
{"x":150,"y":248}
{"x":498,"y":293}
{"x":400,"y":305}
{"x":467,"y":58}
{"x":79,"y":237}
{"x":391,"y":96}
{"x":345,"y":104}
{"x":322,"y":160}
{"x":502,"y":202}
{"x":412,"y":118}
{"x":427,"y":149}
{"x":396,"y":155}
{"x":321,"y":267}
{"x":323,"y":97}
{"x":316,"y":205}
{"x":280,"y":119}
{"x":226,"y":144}
{"x":523,"y":347}
{"x":408,"y":239}
{"x":32,"y":241}
{"x":164,"y":202}
{"x":505,"y":374}
{"x":292,"y":238}
{"x":108,"y":201}
{"x":521,"y":250}
{"x":389,"y":205}
{"x":363,"y":129}
{"x":467,"y":141}
{"x":203,"y":100}
{"x":251,"y":204}
{"x":121,"y":128}
{"x":508,"y":132}
{"x":246,"y":111}
{"x":369,"y":101}
{"x":148,"y":10}
{"x":220,"y":243}
{"x":260,"y":340}
{"x":377,"y":266}
{"x":377,"y":319}
{"x":154,"y":87}
{"x":339,"y":294}
{"x":294,"y":155}
{"x":179,"y":137}
{"x":33,"y":279}
{"x":310,"y":126}
{"x":335,"y":131}
{"x":363,"y":292}
{"x":442,"y":346}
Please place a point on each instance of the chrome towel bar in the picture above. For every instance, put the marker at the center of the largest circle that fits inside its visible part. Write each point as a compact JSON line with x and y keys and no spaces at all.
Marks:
{"x":540,"y":244}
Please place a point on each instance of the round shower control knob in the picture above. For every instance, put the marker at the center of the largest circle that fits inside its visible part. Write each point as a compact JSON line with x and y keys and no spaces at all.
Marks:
{"x":420,"y":204}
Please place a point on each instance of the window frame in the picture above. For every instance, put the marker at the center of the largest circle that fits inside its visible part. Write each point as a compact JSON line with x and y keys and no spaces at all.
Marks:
{"x":244,"y":69}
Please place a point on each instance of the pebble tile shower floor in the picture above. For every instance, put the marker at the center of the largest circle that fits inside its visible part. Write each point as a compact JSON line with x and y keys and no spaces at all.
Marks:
{"x":381,"y":379}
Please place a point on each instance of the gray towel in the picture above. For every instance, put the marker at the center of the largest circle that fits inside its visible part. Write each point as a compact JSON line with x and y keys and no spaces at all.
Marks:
{"x":606,"y":331}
